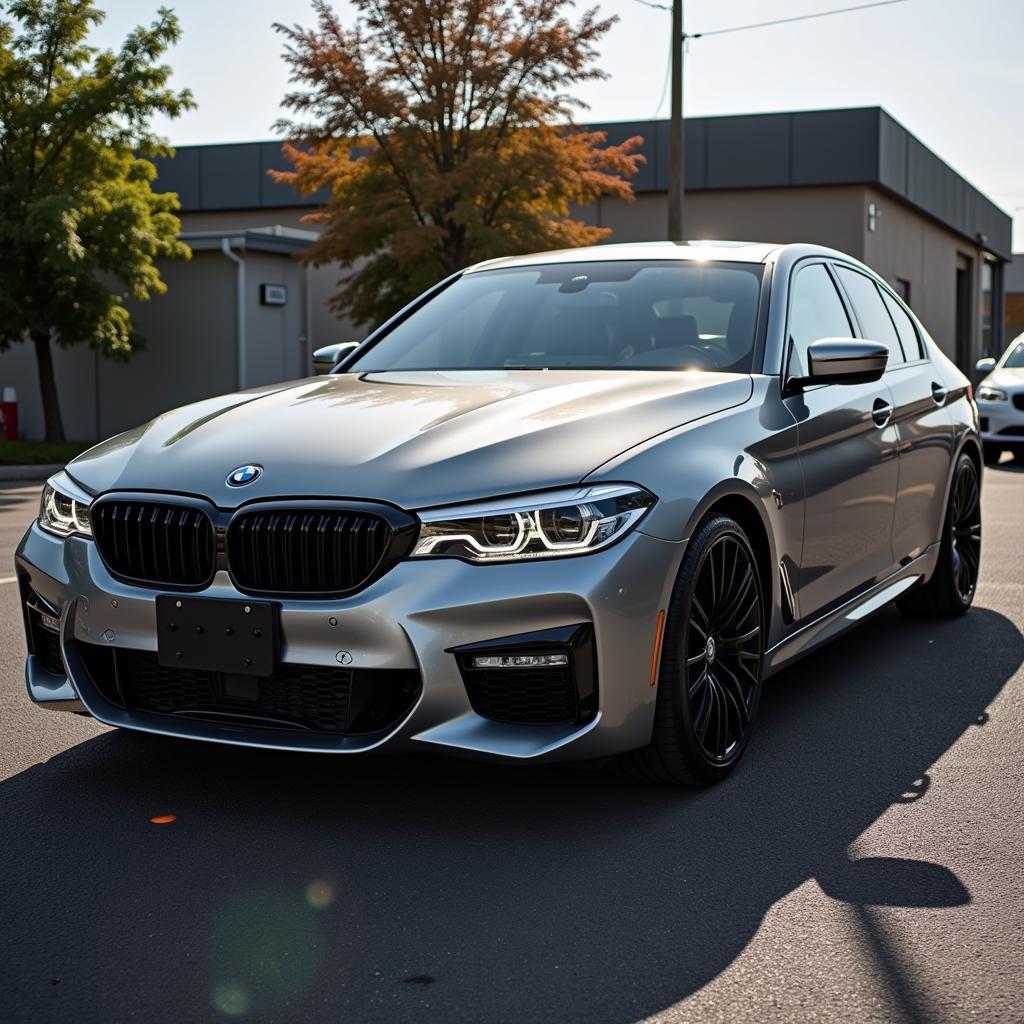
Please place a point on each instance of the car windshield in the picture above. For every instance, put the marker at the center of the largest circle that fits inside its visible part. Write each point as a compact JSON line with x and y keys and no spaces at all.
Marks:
{"x":1015,"y":360}
{"x":656,"y":315}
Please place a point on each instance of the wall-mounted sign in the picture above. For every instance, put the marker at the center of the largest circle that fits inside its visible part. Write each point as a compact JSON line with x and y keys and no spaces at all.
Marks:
{"x":274,"y":294}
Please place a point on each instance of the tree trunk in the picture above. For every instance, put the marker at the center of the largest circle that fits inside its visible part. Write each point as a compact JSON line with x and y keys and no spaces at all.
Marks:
{"x":48,"y":387}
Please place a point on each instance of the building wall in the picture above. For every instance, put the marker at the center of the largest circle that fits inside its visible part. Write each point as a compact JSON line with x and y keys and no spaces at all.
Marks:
{"x":825,"y":215}
{"x":323,"y":327}
{"x":909,"y":246}
{"x":277,"y":337}
{"x":1014,"y":315}
{"x":1015,"y":297}
{"x":191,"y":350}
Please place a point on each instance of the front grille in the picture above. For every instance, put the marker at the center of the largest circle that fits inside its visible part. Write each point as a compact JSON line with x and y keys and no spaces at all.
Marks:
{"x":304,"y":697}
{"x":1017,"y":431}
{"x":155,"y":542}
{"x":307,"y":551}
{"x":1018,"y":400}
{"x":545,"y":696}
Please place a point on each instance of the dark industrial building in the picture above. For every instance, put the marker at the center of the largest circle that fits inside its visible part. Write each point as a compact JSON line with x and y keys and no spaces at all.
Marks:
{"x":856,"y":180}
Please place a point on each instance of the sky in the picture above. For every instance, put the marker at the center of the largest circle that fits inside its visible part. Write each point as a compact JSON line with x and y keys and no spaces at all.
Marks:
{"x":952,"y":71}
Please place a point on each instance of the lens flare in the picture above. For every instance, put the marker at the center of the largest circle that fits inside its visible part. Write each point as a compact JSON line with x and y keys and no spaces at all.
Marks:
{"x":231,"y":998}
{"x":164,"y":819}
{"x":319,"y":894}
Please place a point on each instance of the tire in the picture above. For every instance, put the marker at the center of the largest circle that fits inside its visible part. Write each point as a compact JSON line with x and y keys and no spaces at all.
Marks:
{"x":951,"y":589}
{"x":991,"y":453}
{"x":702,"y":728}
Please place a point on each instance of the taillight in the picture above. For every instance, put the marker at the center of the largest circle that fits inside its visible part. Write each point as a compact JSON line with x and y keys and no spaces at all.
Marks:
{"x":970,"y":392}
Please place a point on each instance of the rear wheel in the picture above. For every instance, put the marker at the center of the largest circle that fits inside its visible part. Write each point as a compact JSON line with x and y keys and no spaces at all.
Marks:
{"x":709,"y":682}
{"x":951,"y":589}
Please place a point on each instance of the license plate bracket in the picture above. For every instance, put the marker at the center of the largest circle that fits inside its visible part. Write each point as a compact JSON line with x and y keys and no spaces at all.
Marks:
{"x":217,"y":635}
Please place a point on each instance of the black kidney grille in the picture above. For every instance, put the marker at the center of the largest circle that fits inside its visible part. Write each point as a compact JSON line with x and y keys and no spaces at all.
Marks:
{"x":308,"y":551}
{"x":155,"y":542}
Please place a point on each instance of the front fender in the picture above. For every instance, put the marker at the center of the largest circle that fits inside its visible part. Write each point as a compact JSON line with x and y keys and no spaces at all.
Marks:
{"x":748,"y":453}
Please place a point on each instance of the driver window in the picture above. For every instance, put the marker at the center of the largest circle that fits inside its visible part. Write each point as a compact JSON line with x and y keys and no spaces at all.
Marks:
{"x":815,"y":312}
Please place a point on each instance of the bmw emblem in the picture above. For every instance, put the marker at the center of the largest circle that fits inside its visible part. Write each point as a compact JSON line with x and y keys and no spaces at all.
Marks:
{"x":244,"y":475}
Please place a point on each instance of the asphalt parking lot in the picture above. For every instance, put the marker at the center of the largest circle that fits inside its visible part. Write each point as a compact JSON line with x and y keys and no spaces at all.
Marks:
{"x":864,"y":864}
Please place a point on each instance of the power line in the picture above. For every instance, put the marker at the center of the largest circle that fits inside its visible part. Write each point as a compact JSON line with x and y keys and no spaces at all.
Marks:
{"x":664,"y":85}
{"x":778,"y":21}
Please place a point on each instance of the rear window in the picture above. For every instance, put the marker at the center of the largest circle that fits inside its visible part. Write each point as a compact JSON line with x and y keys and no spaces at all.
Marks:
{"x":876,"y":324}
{"x":656,"y":315}
{"x":909,"y":338}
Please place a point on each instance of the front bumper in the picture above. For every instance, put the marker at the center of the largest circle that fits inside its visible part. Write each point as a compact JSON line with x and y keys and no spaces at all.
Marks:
{"x":409,"y":619}
{"x":1002,"y":423}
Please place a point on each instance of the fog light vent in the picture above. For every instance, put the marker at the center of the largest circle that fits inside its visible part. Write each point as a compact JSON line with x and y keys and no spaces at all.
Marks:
{"x":544,"y":678}
{"x":44,"y":633}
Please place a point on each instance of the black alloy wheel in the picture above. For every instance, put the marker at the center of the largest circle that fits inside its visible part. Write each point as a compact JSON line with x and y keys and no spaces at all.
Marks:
{"x":966,"y":535}
{"x":709,"y":679}
{"x":724,"y":638}
{"x":954,"y":582}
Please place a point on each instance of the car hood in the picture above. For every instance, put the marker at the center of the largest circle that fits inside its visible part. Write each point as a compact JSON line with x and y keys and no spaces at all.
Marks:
{"x":413,"y":439}
{"x":1004,"y":377}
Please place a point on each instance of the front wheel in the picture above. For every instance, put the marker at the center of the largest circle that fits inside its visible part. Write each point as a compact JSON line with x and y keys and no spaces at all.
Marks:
{"x":951,"y":589}
{"x":709,"y":682}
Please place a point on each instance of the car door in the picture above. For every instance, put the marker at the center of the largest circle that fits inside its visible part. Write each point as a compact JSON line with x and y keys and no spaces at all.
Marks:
{"x":848,"y":455}
{"x":924,"y":427}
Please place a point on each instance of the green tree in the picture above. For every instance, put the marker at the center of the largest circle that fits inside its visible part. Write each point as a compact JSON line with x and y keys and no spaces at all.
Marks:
{"x":80,"y":225}
{"x":443,"y":132}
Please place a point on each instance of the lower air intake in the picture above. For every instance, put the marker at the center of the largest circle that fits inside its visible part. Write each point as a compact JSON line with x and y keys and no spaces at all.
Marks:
{"x":313,"y":698}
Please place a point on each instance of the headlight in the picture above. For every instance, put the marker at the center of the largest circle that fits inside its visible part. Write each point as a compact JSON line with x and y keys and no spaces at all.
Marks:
{"x":987,"y":394}
{"x":64,"y":507}
{"x":573,"y":521}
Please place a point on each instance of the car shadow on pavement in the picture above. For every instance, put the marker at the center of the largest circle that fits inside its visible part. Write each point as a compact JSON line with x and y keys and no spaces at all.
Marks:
{"x":295,"y":887}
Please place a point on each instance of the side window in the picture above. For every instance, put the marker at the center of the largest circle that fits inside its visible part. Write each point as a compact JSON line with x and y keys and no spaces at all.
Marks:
{"x":909,"y":338}
{"x":815,"y":312}
{"x":871,"y":312}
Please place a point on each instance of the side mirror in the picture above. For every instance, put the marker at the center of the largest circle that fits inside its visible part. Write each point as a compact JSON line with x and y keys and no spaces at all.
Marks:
{"x":986,"y":365}
{"x":843,"y":361}
{"x":327,"y":358}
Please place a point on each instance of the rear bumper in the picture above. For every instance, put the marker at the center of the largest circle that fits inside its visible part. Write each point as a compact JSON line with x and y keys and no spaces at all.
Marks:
{"x":409,"y":619}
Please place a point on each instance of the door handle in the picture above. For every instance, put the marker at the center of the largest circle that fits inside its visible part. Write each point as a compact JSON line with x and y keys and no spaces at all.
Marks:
{"x":938,"y":393}
{"x":881,"y":412}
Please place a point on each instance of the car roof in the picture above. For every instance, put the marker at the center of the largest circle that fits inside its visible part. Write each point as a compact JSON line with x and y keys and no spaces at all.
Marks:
{"x":702,"y":249}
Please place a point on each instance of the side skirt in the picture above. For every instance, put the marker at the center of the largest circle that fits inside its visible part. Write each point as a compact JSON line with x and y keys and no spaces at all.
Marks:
{"x":811,"y":636}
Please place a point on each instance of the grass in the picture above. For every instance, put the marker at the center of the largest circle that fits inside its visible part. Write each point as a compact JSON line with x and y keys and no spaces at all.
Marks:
{"x":40,"y":453}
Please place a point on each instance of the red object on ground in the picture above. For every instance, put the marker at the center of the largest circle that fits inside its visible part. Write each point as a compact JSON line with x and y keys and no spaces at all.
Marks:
{"x":9,"y":414}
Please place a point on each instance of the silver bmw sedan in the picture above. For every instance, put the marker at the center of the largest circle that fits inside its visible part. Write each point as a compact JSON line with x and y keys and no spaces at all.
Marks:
{"x":571,"y":506}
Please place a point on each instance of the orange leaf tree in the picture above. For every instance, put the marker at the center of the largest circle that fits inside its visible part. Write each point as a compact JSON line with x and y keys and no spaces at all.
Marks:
{"x":442,"y":131}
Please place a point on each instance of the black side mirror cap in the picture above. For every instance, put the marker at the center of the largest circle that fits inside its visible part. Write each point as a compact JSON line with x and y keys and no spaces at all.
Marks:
{"x":842,"y":361}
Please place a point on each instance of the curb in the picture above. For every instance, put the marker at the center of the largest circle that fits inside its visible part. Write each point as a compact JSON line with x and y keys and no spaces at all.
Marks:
{"x":28,"y":474}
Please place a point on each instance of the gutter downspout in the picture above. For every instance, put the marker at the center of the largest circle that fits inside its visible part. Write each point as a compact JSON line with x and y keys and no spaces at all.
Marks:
{"x":225,"y":247}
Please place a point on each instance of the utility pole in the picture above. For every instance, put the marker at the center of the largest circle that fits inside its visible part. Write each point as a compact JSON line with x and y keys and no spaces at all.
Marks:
{"x":676,"y":165}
